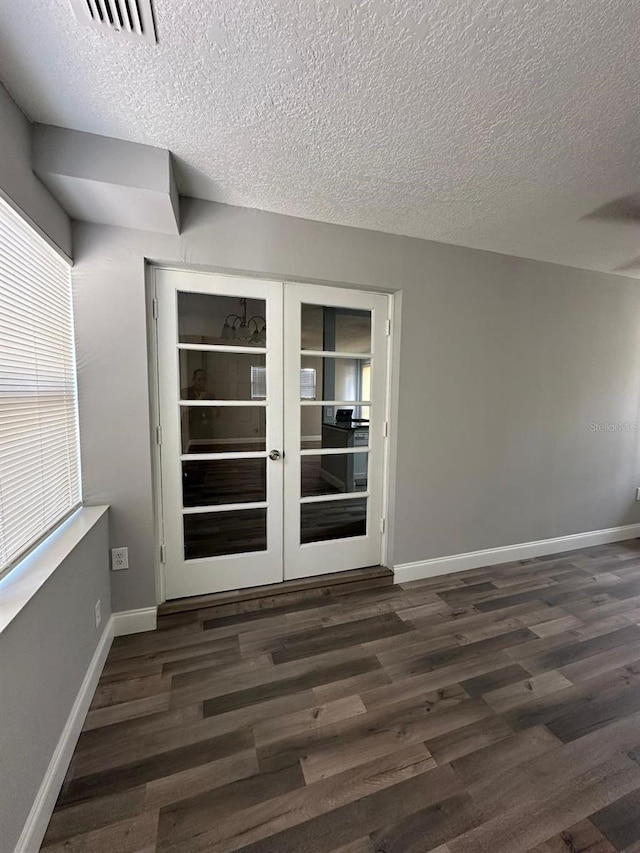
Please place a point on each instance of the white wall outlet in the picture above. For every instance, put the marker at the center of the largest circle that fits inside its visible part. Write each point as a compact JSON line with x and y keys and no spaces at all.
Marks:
{"x":119,"y":559}
{"x":98,"y":614}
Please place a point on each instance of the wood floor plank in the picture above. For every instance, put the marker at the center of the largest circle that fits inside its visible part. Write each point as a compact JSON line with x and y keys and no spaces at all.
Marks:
{"x":581,"y":836}
{"x":127,"y":711}
{"x":574,"y":652}
{"x":620,"y":821}
{"x":307,"y":643}
{"x":247,"y":677}
{"x":521,"y":692}
{"x":185,"y":784}
{"x":299,"y":722}
{"x":362,"y":845}
{"x":443,"y":821}
{"x":198,"y":647}
{"x":331,"y":804}
{"x":589,"y":757}
{"x":457,"y":654}
{"x":187,"y":817}
{"x":599,"y":664}
{"x":297,"y":684}
{"x":376,"y":733}
{"x":451,"y":745}
{"x":496,"y":759}
{"x":93,"y":814}
{"x":355,"y":685}
{"x":583,"y":707}
{"x":131,"y":775}
{"x":556,"y":626}
{"x":323,"y":762}
{"x":125,"y":836}
{"x":518,"y":829}
{"x":494,"y":680}
{"x":490,"y":711}
{"x":437,"y":679}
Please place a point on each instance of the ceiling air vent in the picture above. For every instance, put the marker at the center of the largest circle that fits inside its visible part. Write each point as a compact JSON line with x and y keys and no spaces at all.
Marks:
{"x":130,"y":18}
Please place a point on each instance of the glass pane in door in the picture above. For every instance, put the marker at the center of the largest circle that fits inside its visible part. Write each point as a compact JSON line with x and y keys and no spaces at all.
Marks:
{"x":335,"y":329}
{"x":207,"y":375}
{"x":223,"y":481}
{"x":333,"y":426}
{"x":214,"y":372}
{"x":333,"y":474}
{"x":331,"y":378}
{"x":223,"y":429}
{"x":338,"y":519}
{"x":205,"y":318}
{"x":213,"y":534}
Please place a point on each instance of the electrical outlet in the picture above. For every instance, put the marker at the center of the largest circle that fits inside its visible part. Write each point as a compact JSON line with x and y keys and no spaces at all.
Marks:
{"x":119,"y":559}
{"x":98,"y":614}
{"x":638,"y":494}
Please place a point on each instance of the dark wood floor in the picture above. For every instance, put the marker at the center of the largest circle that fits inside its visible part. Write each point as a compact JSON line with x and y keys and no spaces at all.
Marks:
{"x":496,"y":710}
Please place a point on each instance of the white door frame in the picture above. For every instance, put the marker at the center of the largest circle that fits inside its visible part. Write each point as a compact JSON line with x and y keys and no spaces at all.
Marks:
{"x":391,"y":403}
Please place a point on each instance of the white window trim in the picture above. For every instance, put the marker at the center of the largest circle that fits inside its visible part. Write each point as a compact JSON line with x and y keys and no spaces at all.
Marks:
{"x":24,"y":580}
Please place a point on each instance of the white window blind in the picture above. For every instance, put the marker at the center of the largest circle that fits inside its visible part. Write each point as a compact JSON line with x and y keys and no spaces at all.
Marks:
{"x":39,"y":446}
{"x":307,"y":383}
{"x":259,"y":383}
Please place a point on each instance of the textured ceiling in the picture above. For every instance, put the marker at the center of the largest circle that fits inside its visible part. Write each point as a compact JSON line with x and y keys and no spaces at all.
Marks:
{"x":499,"y":125}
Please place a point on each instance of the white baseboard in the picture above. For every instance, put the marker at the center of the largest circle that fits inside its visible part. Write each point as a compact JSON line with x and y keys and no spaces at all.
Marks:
{"x":42,"y":809}
{"x":525,"y":551}
{"x":135,"y":621}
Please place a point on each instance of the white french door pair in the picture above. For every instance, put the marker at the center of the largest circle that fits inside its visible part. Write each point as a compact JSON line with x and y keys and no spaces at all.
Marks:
{"x":272,"y":416}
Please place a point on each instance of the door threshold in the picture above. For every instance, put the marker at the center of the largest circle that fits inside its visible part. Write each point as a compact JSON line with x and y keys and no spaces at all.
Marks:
{"x":258,"y":598}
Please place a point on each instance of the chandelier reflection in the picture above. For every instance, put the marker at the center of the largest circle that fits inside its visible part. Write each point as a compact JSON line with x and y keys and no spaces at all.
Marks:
{"x":237,"y":328}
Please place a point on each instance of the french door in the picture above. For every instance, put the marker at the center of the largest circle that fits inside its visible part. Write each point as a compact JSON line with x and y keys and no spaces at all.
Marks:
{"x":272,"y":424}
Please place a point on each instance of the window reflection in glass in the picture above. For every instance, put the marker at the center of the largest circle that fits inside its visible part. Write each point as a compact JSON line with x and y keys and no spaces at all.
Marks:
{"x":335,"y":329}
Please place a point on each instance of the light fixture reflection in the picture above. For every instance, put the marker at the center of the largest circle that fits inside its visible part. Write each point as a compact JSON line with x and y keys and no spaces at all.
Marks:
{"x":252,"y":331}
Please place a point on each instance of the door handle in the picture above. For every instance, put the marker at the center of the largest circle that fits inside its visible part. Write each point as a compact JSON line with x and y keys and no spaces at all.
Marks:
{"x":274,"y":454}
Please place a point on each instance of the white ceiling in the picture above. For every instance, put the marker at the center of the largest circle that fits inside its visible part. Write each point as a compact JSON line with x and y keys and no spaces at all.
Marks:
{"x":498,"y":124}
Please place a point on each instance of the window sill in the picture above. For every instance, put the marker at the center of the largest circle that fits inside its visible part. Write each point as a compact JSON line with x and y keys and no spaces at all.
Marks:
{"x":23,"y":582}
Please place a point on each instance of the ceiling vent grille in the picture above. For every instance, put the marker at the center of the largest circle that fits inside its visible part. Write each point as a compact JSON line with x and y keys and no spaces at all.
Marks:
{"x":129,"y":18}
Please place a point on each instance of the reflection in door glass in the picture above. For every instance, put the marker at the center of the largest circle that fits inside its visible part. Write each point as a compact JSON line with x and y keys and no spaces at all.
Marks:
{"x":223,"y":481}
{"x":327,"y":378}
{"x":206,"y":375}
{"x":213,"y":534}
{"x":225,"y":320}
{"x":332,"y":427}
{"x":333,"y":520}
{"x":335,"y":329}
{"x":222,"y":429}
{"x":333,"y":473}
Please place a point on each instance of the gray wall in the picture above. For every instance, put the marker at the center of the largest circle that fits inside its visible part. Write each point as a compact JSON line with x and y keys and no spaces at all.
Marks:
{"x":503,"y":364}
{"x":44,"y":656}
{"x":18,"y":183}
